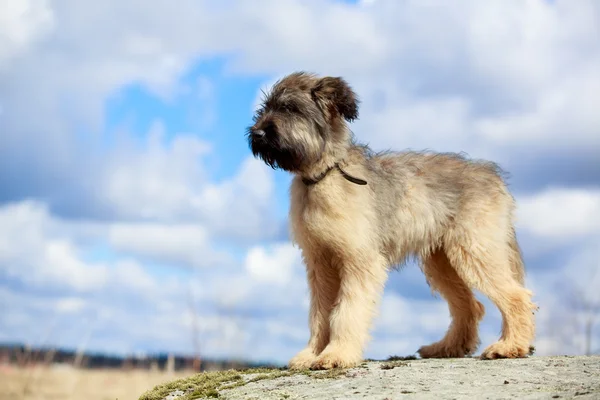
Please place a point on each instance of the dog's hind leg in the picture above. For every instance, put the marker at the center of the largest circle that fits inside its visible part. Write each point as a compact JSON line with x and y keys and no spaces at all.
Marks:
{"x":484,"y":259}
{"x":462,"y":337}
{"x":361,"y":286}
{"x":324,"y":283}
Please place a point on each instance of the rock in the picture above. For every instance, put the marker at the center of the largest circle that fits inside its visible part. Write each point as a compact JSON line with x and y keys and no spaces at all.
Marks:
{"x":176,"y":394}
{"x":465,"y":378}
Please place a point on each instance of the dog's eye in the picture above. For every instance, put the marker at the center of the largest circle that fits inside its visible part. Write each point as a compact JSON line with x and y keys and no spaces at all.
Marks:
{"x":291,"y":108}
{"x":270,"y":129}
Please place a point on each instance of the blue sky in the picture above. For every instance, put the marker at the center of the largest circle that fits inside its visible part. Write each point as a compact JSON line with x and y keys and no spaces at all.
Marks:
{"x":129,"y":200}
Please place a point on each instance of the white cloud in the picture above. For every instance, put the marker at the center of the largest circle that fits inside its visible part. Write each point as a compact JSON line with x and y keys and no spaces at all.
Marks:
{"x":564,"y":222}
{"x":415,"y":122}
{"x":158,"y":180}
{"x":47,"y":254}
{"x":497,"y":77}
{"x":563,"y":111}
{"x":178,"y":244}
{"x":568,"y":298}
{"x":405,"y":324}
{"x":242,"y":206}
{"x":559,"y":213}
{"x":401,"y":316}
{"x":131,"y":274}
{"x":60,"y":263}
{"x":38,"y":258}
{"x":275,"y":266}
{"x":70,"y":304}
{"x":22,"y":23}
{"x":165,"y":182}
{"x":57,"y":281}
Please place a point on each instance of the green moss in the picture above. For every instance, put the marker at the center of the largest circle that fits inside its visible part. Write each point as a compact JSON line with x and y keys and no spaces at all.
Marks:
{"x":212,"y":393}
{"x":261,"y":370}
{"x":209,"y":384}
{"x":272,"y":375}
{"x":198,"y":386}
{"x":329,"y":374}
{"x":401,"y":358}
{"x":394,"y":364}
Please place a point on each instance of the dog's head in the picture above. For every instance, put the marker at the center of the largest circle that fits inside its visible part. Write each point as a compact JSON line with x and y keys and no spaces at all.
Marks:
{"x":301,"y":120}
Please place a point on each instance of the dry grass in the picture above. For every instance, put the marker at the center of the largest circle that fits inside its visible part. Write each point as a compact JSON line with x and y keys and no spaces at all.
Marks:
{"x":65,"y":383}
{"x":48,"y":383}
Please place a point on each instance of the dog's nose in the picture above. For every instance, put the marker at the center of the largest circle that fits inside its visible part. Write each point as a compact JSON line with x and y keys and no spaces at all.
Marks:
{"x":259,"y":133}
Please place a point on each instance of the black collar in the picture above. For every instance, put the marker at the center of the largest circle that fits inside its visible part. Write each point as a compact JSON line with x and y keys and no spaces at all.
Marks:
{"x":309,"y":181}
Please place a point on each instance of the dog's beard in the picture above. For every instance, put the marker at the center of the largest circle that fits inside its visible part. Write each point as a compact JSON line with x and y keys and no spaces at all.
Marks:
{"x":277,"y":156}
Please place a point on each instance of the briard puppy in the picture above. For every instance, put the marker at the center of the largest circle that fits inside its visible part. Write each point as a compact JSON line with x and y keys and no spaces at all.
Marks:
{"x":356,"y":214}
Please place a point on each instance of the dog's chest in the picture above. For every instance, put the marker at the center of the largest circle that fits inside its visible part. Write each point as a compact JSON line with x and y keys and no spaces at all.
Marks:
{"x":325,"y":217}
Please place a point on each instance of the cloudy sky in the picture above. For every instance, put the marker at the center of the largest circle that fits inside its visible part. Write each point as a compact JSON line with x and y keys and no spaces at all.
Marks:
{"x":132,"y":214}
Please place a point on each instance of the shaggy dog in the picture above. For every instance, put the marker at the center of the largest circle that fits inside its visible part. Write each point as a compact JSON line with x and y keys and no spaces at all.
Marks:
{"x":356,"y":214}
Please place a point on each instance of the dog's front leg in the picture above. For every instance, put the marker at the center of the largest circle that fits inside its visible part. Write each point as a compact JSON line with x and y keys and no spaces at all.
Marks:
{"x":361,"y":286}
{"x":324,"y":283}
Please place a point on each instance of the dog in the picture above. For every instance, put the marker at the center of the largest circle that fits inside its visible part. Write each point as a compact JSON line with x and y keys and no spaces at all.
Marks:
{"x":356,"y":214}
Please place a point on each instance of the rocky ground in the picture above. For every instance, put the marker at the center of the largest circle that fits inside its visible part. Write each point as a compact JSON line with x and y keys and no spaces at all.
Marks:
{"x":468,"y":378}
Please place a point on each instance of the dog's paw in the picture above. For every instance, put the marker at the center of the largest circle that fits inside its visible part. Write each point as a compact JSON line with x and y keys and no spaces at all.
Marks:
{"x":302,"y":360}
{"x":502,"y":349}
{"x":442,"y":349}
{"x":335,"y":359}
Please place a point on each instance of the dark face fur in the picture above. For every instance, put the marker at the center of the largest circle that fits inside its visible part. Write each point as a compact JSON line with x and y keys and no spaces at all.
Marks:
{"x":301,"y":120}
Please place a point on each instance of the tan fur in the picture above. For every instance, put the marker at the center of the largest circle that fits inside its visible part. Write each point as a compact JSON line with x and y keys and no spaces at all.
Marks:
{"x":452,"y":213}
{"x":462,"y":337}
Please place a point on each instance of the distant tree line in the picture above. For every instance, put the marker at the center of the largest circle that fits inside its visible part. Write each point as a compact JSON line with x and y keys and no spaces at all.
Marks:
{"x":23,"y":356}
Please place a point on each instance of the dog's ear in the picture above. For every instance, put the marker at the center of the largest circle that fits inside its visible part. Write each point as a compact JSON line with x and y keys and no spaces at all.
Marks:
{"x":338,"y":94}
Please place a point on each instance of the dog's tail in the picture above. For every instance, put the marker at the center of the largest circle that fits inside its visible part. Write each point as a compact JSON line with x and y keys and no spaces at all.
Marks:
{"x":516,"y":258}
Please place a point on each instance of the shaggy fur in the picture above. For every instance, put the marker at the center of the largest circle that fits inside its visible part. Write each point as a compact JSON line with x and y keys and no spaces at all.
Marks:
{"x":454,"y":214}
